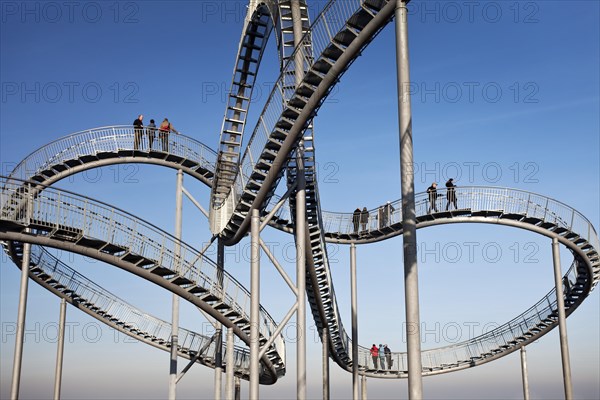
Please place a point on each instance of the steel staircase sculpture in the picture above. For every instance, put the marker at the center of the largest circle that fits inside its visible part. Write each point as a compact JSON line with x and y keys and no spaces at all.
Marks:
{"x":337,"y":37}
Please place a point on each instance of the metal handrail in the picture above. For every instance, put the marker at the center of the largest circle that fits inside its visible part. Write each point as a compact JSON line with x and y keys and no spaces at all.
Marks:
{"x":79,"y":216}
{"x":138,"y":323}
{"x":475,"y":198}
{"x":109,"y":139}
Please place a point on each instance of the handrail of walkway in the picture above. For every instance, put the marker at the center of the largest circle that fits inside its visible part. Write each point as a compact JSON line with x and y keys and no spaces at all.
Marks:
{"x":81,"y":216}
{"x":110,"y":139}
{"x":115,"y":307}
{"x":473,"y":198}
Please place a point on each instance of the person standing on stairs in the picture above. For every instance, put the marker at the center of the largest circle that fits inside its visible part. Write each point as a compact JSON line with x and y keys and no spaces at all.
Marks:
{"x":356,"y":219}
{"x":375,"y":355}
{"x":163,"y":133}
{"x":138,"y":131}
{"x":433,"y":195}
{"x":364,"y":219}
{"x":451,"y":194}
{"x":151,"y":131}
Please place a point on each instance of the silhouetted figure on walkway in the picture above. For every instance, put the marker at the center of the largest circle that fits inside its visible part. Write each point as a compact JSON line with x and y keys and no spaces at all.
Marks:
{"x":388,"y":356}
{"x":433,"y":195}
{"x":375,"y":355}
{"x":364,"y":219}
{"x":451,"y":194}
{"x":356,"y":219}
{"x":151,"y":131}
{"x":138,"y":131}
{"x":388,"y":210}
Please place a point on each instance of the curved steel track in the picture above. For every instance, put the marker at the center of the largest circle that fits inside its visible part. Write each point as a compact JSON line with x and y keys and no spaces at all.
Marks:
{"x":313,"y":57}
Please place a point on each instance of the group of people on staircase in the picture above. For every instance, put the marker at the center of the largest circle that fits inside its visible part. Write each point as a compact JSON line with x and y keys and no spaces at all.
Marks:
{"x":383,"y":354}
{"x":450,"y":196}
{"x":360,"y":218}
{"x":163,"y":133}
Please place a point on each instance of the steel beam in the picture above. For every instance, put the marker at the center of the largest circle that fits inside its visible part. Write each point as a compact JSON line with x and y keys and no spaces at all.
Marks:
{"x":175,"y":304}
{"x":21,"y":314}
{"x":60,"y":348}
{"x":254,"y":303}
{"x":354,"y":318}
{"x":229,"y":365}
{"x":300,"y":231}
{"x":409,"y":223}
{"x":524,"y":373}
{"x":562,"y":321}
{"x":325,"y":344}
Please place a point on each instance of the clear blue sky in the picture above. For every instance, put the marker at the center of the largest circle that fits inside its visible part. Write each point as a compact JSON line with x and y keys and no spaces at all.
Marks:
{"x":504,"y":94}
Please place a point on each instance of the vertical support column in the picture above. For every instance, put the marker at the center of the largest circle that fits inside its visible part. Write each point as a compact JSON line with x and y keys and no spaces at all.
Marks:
{"x":325,"y":343}
{"x":175,"y":305}
{"x":229,"y":363}
{"x":411,"y":282}
{"x":300,"y":232}
{"x":60,"y":348}
{"x":562,"y":321}
{"x":354,"y":318}
{"x":364,"y":388}
{"x":254,"y":303}
{"x":297,"y":28}
{"x":21,"y":313}
{"x":237,"y":389}
{"x":524,"y":373}
{"x":218,"y":325}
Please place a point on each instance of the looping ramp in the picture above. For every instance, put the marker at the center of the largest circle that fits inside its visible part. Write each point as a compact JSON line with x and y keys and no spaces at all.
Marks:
{"x":313,"y":57}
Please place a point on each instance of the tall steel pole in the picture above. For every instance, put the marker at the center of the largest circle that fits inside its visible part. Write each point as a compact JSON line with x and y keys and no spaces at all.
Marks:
{"x":364,"y":388}
{"x":411,"y":281}
{"x":562,"y":321}
{"x":354,"y":318}
{"x":254,"y":302}
{"x":300,"y":232}
{"x":524,"y":373}
{"x":325,"y":343}
{"x":175,"y":305}
{"x":238,"y":389}
{"x":229,"y":371}
{"x":60,"y":348}
{"x":219,"y":326}
{"x":21,"y":313}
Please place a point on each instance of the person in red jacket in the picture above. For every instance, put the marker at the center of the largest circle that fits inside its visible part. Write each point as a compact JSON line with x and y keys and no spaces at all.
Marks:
{"x":163,"y":133}
{"x":375,"y":355}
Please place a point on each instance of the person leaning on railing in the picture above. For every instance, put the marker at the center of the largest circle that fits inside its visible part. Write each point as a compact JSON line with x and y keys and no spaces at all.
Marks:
{"x":163,"y":133}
